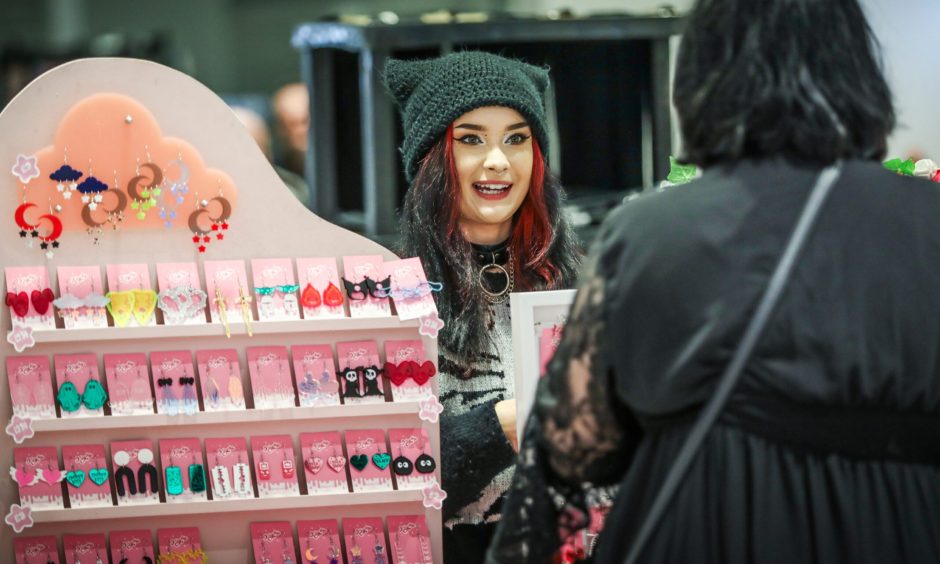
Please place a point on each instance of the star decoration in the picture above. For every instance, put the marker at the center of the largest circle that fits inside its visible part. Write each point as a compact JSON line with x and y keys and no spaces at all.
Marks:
{"x":55,"y":244}
{"x":220,"y":236}
{"x":206,"y":239}
{"x":44,"y":245}
{"x":430,"y":409}
{"x":195,"y":238}
{"x":215,"y":226}
{"x":34,"y":233}
{"x":202,"y":248}
{"x":23,"y":233}
{"x":19,"y":518}
{"x":20,"y":428}
{"x":25,"y":168}
{"x":224,"y":226}
{"x":433,"y":496}
{"x":431,"y":325}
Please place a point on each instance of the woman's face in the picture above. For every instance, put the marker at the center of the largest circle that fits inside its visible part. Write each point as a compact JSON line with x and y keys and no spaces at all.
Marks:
{"x":493,"y":155}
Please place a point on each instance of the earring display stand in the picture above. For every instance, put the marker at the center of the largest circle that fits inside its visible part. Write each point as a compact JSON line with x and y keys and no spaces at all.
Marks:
{"x":266,"y":223}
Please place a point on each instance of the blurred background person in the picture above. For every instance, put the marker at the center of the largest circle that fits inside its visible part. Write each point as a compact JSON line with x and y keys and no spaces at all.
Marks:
{"x":291,"y":107}
{"x":258,"y":130}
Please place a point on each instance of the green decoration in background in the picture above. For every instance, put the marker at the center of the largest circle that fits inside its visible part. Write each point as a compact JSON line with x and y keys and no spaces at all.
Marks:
{"x":680,"y":173}
{"x":901,"y":167}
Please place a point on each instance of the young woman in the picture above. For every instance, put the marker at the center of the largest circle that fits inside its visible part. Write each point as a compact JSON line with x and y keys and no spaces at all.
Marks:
{"x":827,"y":450}
{"x":484,"y":215}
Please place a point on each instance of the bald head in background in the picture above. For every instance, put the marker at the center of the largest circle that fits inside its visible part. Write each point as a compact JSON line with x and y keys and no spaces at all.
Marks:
{"x":291,"y":107}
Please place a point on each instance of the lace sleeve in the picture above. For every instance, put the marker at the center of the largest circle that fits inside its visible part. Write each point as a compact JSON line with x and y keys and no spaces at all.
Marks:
{"x":577,"y":436}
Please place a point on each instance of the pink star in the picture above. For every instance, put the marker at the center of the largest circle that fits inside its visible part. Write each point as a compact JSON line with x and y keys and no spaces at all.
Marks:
{"x":20,"y":428}
{"x":19,"y":518}
{"x":431,"y":324}
{"x":21,"y":337}
{"x":430,"y":409}
{"x":25,"y":168}
{"x":434,"y":496}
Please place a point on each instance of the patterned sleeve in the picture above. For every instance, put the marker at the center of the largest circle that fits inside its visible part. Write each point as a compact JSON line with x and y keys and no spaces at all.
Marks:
{"x":578,"y":436}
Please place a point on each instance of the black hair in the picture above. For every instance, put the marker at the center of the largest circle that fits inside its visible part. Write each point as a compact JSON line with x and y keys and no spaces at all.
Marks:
{"x":798,"y":79}
{"x":428,"y":231}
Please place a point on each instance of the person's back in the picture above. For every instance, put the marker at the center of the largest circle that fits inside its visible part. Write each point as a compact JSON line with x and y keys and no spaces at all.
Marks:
{"x":829,"y":450}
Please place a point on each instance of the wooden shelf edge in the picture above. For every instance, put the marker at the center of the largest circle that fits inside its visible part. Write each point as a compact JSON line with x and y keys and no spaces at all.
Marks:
{"x":216,"y":329}
{"x":219,"y":417}
{"x":224,"y":506}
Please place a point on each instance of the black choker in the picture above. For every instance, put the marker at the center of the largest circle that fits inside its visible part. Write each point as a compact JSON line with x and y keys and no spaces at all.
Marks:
{"x":491,"y":254}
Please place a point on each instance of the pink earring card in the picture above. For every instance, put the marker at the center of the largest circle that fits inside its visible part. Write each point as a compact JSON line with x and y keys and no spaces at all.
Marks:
{"x":178,"y":539}
{"x":30,"y":384}
{"x":275,"y":290}
{"x":273,"y":543}
{"x":227,"y":286}
{"x":80,"y":549}
{"x":360,"y":372}
{"x":271,"y":383}
{"x":81,"y":301}
{"x":324,"y":463}
{"x":184,"y":471}
{"x":221,"y":378}
{"x":369,"y":460}
{"x":174,"y":381}
{"x":182,"y":299}
{"x":408,"y":370}
{"x":321,"y":291}
{"x":128,"y":378}
{"x":410,"y":289}
{"x":29,"y":296}
{"x":131,"y":546}
{"x":136,"y":476}
{"x":36,"y":550}
{"x":410,"y":538}
{"x":319,"y":540}
{"x":365,"y":540}
{"x":364,"y":280}
{"x":79,"y":386}
{"x":87,"y":476}
{"x":315,"y":375}
{"x":413,"y":463}
{"x":36,"y":472}
{"x":275,"y":465}
{"x":133,"y":301}
{"x":229,"y":471}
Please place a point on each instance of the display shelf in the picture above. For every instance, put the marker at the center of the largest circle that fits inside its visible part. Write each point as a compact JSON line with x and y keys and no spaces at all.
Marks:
{"x":217,"y":417}
{"x":225,"y":506}
{"x":331,"y":325}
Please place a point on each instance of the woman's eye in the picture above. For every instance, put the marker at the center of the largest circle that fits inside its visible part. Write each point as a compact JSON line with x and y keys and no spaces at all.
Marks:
{"x":517,"y":139}
{"x":470,"y":139}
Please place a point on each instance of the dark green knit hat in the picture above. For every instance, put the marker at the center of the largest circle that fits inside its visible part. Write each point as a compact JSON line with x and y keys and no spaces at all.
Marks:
{"x":433,"y":93}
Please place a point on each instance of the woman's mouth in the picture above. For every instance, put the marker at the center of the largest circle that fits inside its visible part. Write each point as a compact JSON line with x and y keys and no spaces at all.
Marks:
{"x":492,"y":190}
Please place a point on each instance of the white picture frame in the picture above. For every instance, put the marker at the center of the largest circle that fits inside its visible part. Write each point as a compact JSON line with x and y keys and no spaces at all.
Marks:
{"x":530,"y":312}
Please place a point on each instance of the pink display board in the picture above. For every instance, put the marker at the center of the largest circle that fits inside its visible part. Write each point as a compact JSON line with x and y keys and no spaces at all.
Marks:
{"x":325,"y":463}
{"x":30,"y":382}
{"x":80,"y":549}
{"x":128,"y":379}
{"x":410,"y":289}
{"x":36,"y":550}
{"x":315,"y":375}
{"x":369,"y":460}
{"x":134,"y":546}
{"x":273,"y":542}
{"x":178,"y":539}
{"x":184,"y":471}
{"x":87,"y":476}
{"x":413,"y":463}
{"x":229,"y":468}
{"x":365,"y":540}
{"x":220,"y":375}
{"x":38,"y":475}
{"x":275,"y":467}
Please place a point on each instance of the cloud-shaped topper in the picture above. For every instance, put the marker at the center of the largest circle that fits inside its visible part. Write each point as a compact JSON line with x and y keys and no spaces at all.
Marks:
{"x":92,"y":185}
{"x":65,"y":173}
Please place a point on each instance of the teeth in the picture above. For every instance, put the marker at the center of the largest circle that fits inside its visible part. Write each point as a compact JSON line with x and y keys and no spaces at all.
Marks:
{"x":491,"y":188}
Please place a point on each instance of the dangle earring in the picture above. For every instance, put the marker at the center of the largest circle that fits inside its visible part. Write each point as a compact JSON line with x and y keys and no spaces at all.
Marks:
{"x":197,"y":476}
{"x":310,"y":557}
{"x":245,"y":301}
{"x":169,"y":403}
{"x":24,"y":478}
{"x":355,"y":551}
{"x":69,"y":399}
{"x":189,"y":402}
{"x":334,"y":553}
{"x":235,"y":392}
{"x":177,"y":190}
{"x":94,"y":396}
{"x":337,"y":462}
{"x":221,"y":480}
{"x":66,"y":177}
{"x":146,"y":470}
{"x":378,"y":550}
{"x":371,"y":378}
{"x":424,"y":463}
{"x":313,"y":463}
{"x":287,"y":466}
{"x":264,"y":469}
{"x":241,"y":476}
{"x":174,"y":478}
{"x":124,"y":480}
{"x":145,"y":198}
{"x":286,"y":556}
{"x":51,"y":476}
{"x":399,"y":549}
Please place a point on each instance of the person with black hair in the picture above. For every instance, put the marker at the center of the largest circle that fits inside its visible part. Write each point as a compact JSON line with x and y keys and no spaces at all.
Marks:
{"x":484,"y":214}
{"x":825,"y":447}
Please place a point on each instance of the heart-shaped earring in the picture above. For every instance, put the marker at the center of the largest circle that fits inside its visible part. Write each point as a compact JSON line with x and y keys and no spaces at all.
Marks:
{"x":41,"y":300}
{"x":98,"y":475}
{"x":76,"y":478}
{"x":314,"y":464}
{"x":381,"y":460}
{"x":359,"y":461}
{"x":336,"y":463}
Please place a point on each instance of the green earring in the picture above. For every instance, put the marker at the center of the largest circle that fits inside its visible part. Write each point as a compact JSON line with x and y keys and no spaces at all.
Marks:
{"x":197,"y":478}
{"x":94,"y":395}
{"x":68,"y":398}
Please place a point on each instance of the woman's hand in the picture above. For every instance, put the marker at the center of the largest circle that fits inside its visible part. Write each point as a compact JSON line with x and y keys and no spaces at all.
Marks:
{"x":506,"y":413}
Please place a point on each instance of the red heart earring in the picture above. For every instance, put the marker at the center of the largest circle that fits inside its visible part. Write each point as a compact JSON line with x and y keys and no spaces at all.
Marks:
{"x":41,"y":300}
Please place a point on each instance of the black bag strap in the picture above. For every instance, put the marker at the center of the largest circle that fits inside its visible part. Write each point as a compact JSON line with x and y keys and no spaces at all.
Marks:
{"x":732,"y":373}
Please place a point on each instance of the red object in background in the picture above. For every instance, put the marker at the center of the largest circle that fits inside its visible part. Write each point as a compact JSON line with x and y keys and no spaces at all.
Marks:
{"x":936,"y":176}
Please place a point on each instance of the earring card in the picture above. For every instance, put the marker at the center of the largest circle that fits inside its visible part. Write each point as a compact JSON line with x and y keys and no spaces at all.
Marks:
{"x":22,"y":282}
{"x":273,"y":542}
{"x":229,"y":468}
{"x":184,"y":471}
{"x":408,"y":370}
{"x":369,"y":460}
{"x":275,"y":465}
{"x":81,"y":301}
{"x":360,"y":372}
{"x":174,"y":382}
{"x":320,"y":539}
{"x":78,"y":385}
{"x":132,"y":545}
{"x":321,"y":291}
{"x":134,"y":462}
{"x":365,"y":537}
{"x":88,"y":480}
{"x":130,"y":284}
{"x":410,"y":538}
{"x":128,"y":379}
{"x":271,"y":383}
{"x":275,"y":292}
{"x":36,"y":472}
{"x":178,"y":539}
{"x":84,"y":548}
{"x":31,"y":390}
{"x":315,"y":375}
{"x":221,"y":378}
{"x":410,"y":290}
{"x":410,"y":447}
{"x":227,"y":281}
{"x":325,"y":463}
{"x":182,"y":299}
{"x":363,"y":277}
{"x":36,"y":550}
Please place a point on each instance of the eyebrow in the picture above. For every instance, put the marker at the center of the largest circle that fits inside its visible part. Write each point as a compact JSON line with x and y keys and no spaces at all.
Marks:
{"x":475,"y":127}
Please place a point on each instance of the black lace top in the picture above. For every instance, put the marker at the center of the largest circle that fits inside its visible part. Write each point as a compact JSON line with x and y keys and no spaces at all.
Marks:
{"x":829,"y":450}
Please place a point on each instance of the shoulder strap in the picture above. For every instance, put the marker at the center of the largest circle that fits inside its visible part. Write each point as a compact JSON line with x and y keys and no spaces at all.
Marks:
{"x":732,"y":373}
